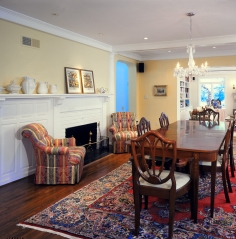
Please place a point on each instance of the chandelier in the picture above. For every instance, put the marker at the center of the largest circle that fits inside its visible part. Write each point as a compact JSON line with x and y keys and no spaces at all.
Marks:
{"x":192,"y":70}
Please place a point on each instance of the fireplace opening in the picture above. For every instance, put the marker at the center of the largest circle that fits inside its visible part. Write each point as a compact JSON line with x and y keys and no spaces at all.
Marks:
{"x":97,"y":146}
{"x":83,"y":134}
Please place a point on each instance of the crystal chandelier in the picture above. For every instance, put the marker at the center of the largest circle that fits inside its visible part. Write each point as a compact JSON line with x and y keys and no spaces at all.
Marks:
{"x":192,"y":70}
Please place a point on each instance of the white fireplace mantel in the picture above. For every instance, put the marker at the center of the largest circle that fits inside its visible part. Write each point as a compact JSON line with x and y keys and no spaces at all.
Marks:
{"x":56,"y":112}
{"x":58,"y":98}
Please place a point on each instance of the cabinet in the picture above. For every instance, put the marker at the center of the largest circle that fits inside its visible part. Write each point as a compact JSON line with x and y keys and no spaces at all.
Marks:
{"x":183,"y":102}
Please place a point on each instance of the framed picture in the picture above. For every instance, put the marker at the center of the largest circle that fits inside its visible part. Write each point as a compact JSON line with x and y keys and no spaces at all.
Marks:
{"x":73,"y":81}
{"x":87,"y":81}
{"x":160,"y":90}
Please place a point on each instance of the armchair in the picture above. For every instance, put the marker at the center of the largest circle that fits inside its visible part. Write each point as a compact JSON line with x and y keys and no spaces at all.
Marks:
{"x":123,"y":128}
{"x":58,"y":161}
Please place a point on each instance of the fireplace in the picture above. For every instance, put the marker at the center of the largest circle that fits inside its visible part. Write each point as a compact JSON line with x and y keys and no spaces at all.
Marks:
{"x":83,"y":134}
{"x":57,"y":112}
{"x":87,"y":135}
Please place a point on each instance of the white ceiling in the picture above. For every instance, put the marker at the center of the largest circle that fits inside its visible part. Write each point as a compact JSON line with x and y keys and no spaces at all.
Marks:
{"x":123,"y":24}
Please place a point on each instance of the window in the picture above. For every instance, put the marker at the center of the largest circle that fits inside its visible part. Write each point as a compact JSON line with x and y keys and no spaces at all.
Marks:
{"x":212,"y":89}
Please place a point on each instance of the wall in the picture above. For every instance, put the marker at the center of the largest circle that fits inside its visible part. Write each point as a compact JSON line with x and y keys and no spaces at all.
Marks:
{"x":160,"y":72}
{"x":48,"y":62}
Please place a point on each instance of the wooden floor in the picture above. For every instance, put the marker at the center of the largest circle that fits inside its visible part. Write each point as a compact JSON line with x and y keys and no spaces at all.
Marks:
{"x":22,"y":199}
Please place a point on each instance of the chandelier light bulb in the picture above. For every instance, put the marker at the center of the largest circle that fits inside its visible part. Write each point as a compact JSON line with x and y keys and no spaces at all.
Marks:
{"x":192,"y":70}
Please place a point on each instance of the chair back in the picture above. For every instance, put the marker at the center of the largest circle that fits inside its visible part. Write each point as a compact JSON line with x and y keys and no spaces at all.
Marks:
{"x":164,"y":121}
{"x":38,"y":135}
{"x":143,"y":126}
{"x":209,"y":115}
{"x":226,"y":143}
{"x":124,"y":121}
{"x":153,"y":141}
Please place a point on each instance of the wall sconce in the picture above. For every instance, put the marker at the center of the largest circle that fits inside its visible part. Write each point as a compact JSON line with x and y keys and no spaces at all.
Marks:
{"x":233,"y":87}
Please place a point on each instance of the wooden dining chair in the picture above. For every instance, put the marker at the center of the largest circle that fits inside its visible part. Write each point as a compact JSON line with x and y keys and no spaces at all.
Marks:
{"x":163,"y":120}
{"x":182,"y":162}
{"x":221,"y":166}
{"x":209,"y":115}
{"x":144,"y":126}
{"x":156,"y":181}
{"x":231,"y":148}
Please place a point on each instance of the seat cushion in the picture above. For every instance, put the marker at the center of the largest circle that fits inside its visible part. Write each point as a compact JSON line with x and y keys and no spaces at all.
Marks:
{"x":181,"y":180}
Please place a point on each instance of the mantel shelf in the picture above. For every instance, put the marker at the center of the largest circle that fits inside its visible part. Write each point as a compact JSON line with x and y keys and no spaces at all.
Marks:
{"x":35,"y":96}
{"x":58,"y":98}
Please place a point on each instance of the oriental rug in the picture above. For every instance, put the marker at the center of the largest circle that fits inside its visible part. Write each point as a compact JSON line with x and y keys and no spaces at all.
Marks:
{"x":105,"y":209}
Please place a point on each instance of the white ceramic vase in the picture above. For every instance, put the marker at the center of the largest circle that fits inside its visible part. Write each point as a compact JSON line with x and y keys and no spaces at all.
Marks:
{"x":28,"y":85}
{"x":43,"y":88}
{"x":53,"y":89}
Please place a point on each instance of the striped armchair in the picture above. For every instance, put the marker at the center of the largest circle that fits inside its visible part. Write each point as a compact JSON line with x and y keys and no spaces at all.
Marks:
{"x":123,"y":128}
{"x":58,"y":161}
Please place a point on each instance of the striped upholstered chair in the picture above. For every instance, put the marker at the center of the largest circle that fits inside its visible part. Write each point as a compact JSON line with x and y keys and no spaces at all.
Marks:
{"x":123,"y":128}
{"x":58,"y":161}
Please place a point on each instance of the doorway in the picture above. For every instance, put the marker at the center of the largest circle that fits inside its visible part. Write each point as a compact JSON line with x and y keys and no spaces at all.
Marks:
{"x":122,"y":87}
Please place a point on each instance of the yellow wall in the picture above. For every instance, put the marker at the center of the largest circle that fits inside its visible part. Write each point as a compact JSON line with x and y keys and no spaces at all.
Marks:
{"x":47,"y":63}
{"x":55,"y":53}
{"x":160,"y":72}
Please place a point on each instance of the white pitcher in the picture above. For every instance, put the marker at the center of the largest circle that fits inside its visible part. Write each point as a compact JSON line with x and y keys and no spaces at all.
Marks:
{"x":53,"y":89}
{"x":43,"y":88}
{"x":28,"y":85}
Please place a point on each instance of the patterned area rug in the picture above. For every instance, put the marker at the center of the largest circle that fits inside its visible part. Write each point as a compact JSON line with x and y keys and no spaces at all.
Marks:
{"x":105,"y":209}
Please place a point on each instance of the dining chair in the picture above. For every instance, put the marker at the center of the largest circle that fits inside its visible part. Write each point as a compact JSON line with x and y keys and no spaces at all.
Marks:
{"x":163,"y":120}
{"x":142,"y":127}
{"x":221,"y":165}
{"x":181,"y":162}
{"x":156,"y":181}
{"x":209,"y":115}
{"x":231,"y":148}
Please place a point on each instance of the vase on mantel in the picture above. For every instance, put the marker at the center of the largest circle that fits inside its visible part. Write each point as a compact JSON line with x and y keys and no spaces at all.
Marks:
{"x":43,"y":88}
{"x":28,"y":85}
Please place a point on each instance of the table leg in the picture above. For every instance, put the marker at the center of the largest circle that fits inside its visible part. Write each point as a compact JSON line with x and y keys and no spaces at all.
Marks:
{"x":195,"y":178}
{"x":213,"y":183}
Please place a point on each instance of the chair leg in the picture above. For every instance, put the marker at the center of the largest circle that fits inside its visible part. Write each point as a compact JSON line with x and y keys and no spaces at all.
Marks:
{"x":224,"y":183}
{"x":228,"y":180}
{"x":138,"y":201}
{"x":146,"y":202}
{"x":171,"y":216}
{"x":231,"y":161}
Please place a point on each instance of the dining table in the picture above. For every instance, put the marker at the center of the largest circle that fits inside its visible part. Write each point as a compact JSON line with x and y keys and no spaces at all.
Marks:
{"x":198,"y":142}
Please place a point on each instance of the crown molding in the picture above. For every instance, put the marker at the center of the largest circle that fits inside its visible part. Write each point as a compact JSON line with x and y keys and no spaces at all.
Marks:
{"x":208,"y":41}
{"x":12,"y":16}
{"x":123,"y":50}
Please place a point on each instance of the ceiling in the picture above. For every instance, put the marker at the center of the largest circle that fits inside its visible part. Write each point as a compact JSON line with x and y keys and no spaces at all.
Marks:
{"x":123,"y":24}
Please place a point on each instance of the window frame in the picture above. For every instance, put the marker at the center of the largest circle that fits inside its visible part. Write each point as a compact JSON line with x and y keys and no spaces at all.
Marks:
{"x":211,"y":78}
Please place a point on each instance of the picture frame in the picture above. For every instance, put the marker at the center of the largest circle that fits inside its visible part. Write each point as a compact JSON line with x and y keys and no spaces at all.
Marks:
{"x":73,"y":80}
{"x":87,"y":81}
{"x":160,"y":90}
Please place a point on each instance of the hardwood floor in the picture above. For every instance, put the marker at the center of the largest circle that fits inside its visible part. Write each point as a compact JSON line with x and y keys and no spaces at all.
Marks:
{"x":22,"y":199}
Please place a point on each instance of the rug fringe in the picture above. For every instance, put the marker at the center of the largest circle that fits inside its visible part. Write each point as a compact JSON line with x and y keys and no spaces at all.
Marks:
{"x":48,"y":230}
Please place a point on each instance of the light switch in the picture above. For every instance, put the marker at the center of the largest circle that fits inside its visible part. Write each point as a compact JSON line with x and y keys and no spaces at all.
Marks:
{"x":145,"y":96}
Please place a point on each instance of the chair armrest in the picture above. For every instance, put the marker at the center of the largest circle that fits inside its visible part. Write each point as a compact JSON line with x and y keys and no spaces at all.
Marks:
{"x":66,"y":142}
{"x":113,"y":129}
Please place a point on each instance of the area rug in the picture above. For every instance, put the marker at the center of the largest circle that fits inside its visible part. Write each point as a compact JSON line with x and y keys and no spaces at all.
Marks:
{"x":105,"y":209}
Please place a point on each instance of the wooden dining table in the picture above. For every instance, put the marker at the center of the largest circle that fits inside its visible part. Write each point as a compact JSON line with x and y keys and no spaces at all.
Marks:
{"x":200,"y":143}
